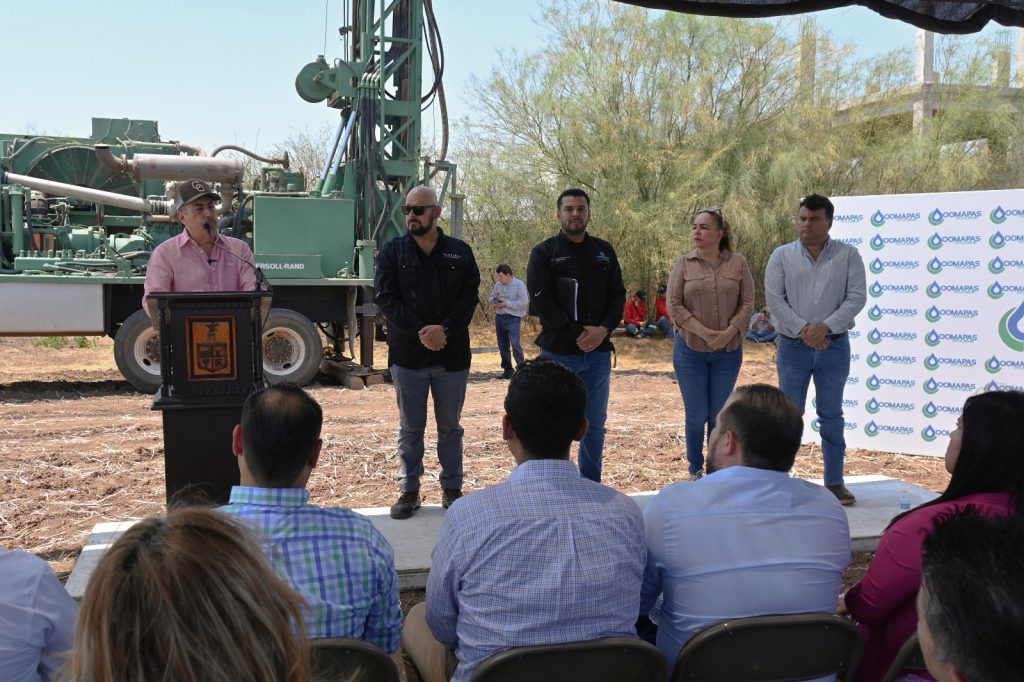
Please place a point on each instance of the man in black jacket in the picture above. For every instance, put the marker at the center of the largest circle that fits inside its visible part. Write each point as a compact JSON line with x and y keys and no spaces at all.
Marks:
{"x":427,"y":285}
{"x":576,"y":289}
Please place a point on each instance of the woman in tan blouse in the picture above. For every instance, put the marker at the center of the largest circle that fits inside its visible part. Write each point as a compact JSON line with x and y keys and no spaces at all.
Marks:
{"x":710,"y":299}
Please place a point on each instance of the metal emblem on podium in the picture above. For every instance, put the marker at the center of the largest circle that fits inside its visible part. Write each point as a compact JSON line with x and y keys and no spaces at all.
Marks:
{"x":211,"y":343}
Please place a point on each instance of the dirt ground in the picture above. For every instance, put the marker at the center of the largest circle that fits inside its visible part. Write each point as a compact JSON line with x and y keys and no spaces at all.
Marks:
{"x":79,"y":446}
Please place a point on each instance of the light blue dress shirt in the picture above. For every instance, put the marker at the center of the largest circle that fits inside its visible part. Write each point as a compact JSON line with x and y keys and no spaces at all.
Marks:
{"x":37,"y":619}
{"x":741,"y":542}
{"x":544,"y":558}
{"x":517,"y":300}
{"x":800,"y":290}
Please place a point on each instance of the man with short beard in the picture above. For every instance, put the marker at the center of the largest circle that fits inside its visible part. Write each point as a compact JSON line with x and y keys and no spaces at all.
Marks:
{"x":745,"y":540}
{"x":426,"y":286}
{"x":575,"y":286}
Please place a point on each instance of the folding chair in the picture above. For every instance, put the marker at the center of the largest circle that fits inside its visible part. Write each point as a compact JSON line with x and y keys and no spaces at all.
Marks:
{"x":908,"y":658}
{"x":344,"y":659}
{"x":784,"y":648}
{"x":611,"y":659}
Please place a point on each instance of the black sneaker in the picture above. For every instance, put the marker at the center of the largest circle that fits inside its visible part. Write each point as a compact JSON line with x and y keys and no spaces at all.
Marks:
{"x":449,"y":496}
{"x":406,"y":506}
{"x":507,"y":374}
{"x":842,"y":494}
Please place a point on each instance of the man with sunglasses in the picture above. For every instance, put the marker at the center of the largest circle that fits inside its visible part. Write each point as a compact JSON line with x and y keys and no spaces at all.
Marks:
{"x":426,"y":287}
{"x":576,"y":290}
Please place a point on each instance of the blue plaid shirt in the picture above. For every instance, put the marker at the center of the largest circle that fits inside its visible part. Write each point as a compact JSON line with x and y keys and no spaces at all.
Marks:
{"x":334,"y":558}
{"x":544,"y":558}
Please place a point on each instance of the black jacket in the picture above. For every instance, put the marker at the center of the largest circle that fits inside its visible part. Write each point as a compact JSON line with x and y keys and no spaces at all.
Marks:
{"x":414,"y":290}
{"x":601,"y":294}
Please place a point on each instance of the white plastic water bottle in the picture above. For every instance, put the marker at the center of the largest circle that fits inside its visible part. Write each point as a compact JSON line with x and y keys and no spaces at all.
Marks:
{"x":904,"y":504}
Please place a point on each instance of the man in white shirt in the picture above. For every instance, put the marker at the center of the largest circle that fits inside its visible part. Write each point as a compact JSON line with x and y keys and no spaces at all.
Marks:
{"x":745,"y":540}
{"x":37,"y":619}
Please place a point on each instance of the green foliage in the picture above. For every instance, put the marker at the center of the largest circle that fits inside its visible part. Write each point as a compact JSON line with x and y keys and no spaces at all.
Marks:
{"x":57,"y":342}
{"x":658,"y":114}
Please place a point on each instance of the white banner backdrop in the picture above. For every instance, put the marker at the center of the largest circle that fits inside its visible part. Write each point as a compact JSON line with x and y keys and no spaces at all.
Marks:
{"x":944,"y":317}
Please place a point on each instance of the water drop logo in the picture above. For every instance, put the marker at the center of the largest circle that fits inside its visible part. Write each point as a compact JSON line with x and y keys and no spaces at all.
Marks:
{"x":933,"y":315}
{"x":931,"y":363}
{"x":935,"y":266}
{"x":874,"y":360}
{"x":929,"y":409}
{"x":996,"y":266}
{"x":816,"y":425}
{"x":872,"y":406}
{"x":998,"y":215}
{"x":876,"y":266}
{"x":932,"y":338}
{"x":878,"y":219}
{"x":928,"y":433}
{"x":873,"y":383}
{"x":933,"y":290}
{"x":875,"y":313}
{"x":995,"y":291}
{"x":992,"y":365}
{"x":931,"y":387}
{"x":1011,"y":331}
{"x":877,"y":243}
{"x":875,"y":290}
{"x":991,"y":386}
{"x":935,"y":242}
{"x":874,"y":336}
{"x":871,"y":428}
{"x":935,"y":217}
{"x":997,"y":241}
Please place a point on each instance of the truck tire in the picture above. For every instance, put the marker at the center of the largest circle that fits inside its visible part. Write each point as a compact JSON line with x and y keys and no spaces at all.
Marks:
{"x":137,"y":352}
{"x":292,"y":348}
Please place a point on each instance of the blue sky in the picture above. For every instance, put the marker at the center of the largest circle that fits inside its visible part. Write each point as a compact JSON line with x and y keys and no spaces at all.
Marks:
{"x":223,"y":73}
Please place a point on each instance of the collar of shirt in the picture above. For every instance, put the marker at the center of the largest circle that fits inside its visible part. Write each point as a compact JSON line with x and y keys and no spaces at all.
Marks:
{"x":182,"y":240}
{"x":695,"y":255}
{"x":826,"y":249}
{"x":544,"y":468}
{"x":749,"y":472}
{"x":269,"y":497}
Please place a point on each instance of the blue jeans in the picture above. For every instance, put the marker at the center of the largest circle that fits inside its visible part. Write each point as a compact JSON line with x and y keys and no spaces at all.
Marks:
{"x":449,"y":391}
{"x":595,"y":368}
{"x":665,"y":325}
{"x":798,"y":363}
{"x":507,"y":327}
{"x":705,"y":380}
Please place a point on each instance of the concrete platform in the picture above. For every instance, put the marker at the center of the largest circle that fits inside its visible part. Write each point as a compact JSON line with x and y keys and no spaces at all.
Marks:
{"x":413,"y":539}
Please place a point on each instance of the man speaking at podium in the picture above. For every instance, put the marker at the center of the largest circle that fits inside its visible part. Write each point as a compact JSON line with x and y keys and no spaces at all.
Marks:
{"x":198,"y":259}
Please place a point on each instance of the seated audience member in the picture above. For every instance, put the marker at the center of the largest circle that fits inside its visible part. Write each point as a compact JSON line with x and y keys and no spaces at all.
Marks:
{"x":745,"y":540}
{"x":335,"y":558}
{"x":37,"y":618}
{"x":971,"y":601}
{"x":635,"y":316}
{"x":546,"y":557}
{"x":762,"y":327}
{"x":661,"y":319}
{"x":987,"y":470}
{"x":188,"y":597}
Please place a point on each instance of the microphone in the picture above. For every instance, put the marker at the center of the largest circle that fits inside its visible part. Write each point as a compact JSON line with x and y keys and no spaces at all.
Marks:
{"x":260,"y":277}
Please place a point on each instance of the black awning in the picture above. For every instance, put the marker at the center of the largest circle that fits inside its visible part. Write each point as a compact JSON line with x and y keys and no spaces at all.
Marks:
{"x":941,"y":16}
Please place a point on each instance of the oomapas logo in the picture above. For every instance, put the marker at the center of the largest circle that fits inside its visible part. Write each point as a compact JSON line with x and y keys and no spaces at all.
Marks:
{"x":878,"y":218}
{"x":1011,"y":329}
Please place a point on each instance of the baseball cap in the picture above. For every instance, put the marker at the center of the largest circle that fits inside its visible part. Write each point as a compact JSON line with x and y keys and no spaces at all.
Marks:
{"x":190,"y":190}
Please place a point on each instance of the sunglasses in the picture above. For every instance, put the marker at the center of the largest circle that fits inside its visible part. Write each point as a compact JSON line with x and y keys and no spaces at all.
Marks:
{"x":713,"y":211}
{"x":417,"y":210}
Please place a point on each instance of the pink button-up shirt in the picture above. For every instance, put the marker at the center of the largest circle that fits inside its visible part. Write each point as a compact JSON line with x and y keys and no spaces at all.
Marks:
{"x":179,"y":264}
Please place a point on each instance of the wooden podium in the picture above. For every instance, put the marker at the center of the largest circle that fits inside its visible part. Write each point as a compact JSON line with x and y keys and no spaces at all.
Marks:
{"x":210,"y":361}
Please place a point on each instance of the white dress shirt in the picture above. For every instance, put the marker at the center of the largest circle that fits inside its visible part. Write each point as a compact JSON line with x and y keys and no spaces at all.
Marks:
{"x":37,"y":619}
{"x":741,"y":542}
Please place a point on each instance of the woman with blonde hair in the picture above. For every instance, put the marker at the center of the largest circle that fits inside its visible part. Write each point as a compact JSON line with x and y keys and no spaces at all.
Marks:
{"x":188,"y":597}
{"x":710,"y":299}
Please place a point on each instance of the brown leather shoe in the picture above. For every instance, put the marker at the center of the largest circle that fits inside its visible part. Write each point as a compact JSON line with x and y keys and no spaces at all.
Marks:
{"x":842,"y":494}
